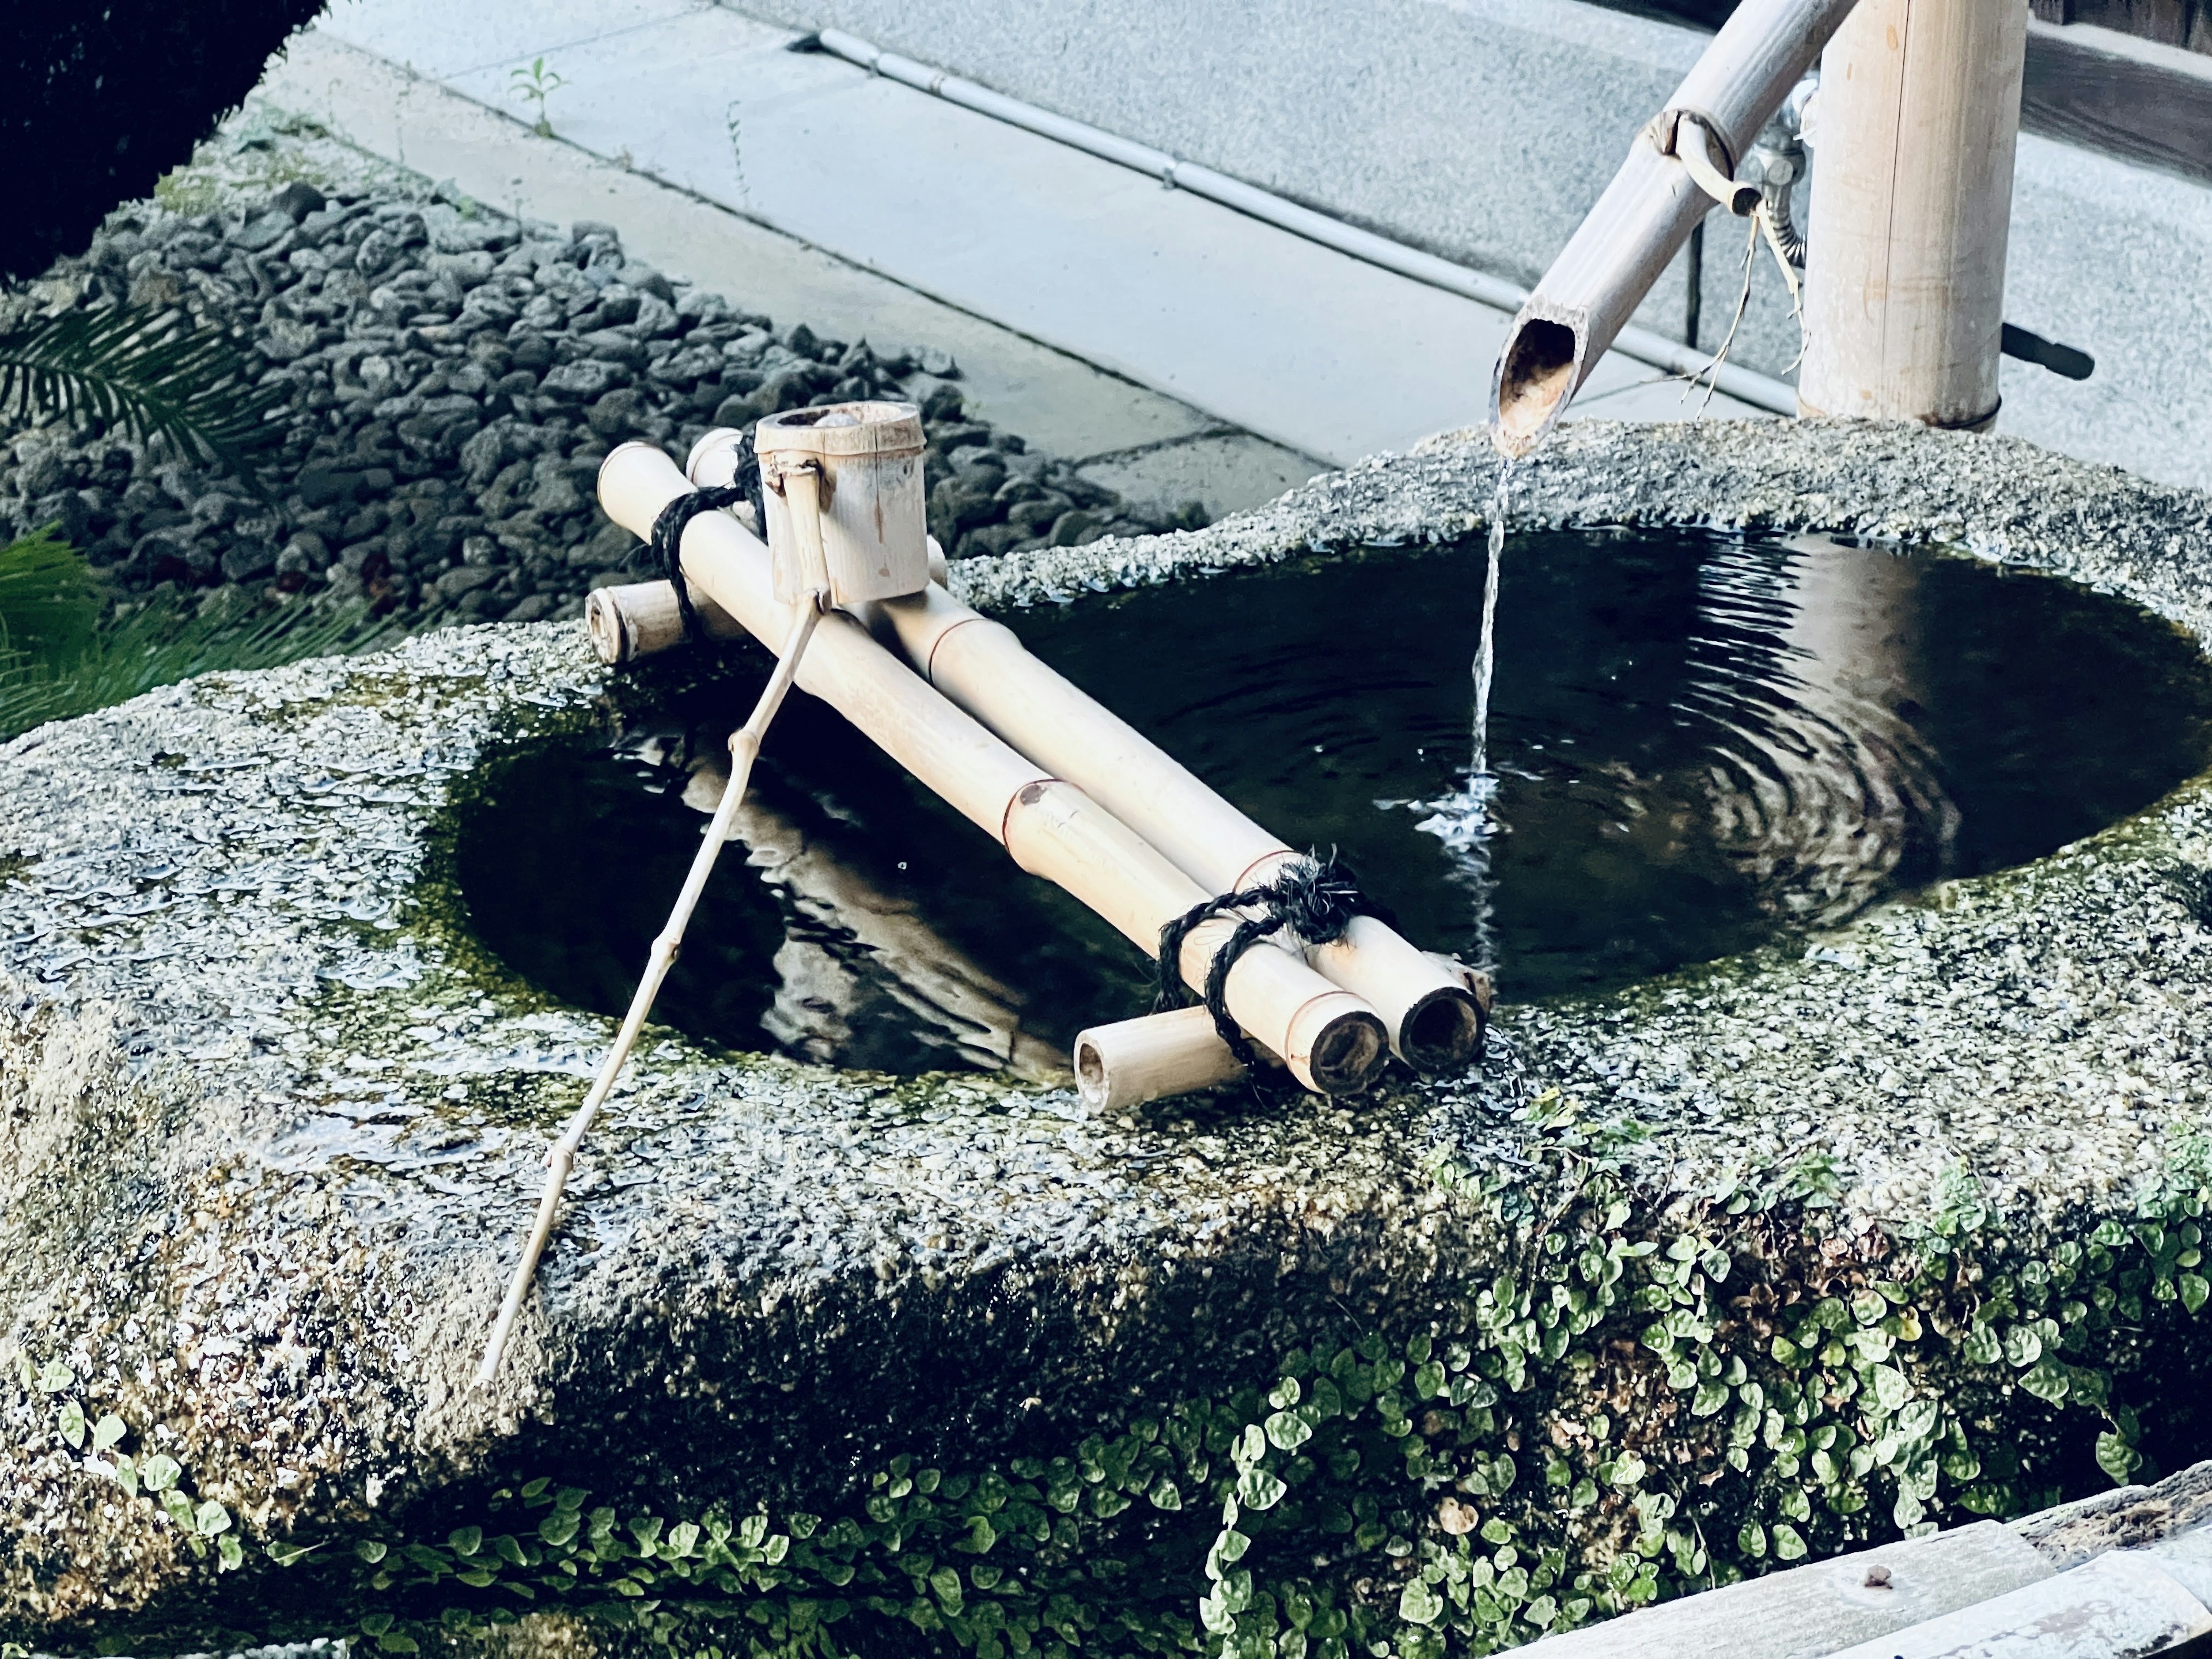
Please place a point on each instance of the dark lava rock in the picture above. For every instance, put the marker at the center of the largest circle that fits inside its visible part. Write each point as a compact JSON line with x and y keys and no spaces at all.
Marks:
{"x":420,"y":345}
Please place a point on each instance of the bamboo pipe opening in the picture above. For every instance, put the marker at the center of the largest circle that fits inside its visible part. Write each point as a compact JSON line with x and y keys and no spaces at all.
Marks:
{"x":1442,"y":1032}
{"x":1349,"y":1053}
{"x":1536,"y":375}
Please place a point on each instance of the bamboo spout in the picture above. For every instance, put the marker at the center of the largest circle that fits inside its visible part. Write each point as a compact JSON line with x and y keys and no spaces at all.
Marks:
{"x":1644,"y":216}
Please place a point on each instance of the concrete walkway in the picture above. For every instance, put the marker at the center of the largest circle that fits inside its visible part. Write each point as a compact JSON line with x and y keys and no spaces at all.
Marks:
{"x":1259,"y":350}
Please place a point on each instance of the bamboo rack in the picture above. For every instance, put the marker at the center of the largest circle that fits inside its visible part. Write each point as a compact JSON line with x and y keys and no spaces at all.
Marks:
{"x":982,"y":666}
{"x":1332,"y":1041}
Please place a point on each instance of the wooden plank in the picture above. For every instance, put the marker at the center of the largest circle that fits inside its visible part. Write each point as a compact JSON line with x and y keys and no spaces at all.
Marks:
{"x":2118,"y":1607}
{"x":1809,"y":1612}
{"x":2078,"y":88}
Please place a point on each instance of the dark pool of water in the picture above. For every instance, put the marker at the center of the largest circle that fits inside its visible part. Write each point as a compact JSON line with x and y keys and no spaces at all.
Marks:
{"x":1700,"y":743}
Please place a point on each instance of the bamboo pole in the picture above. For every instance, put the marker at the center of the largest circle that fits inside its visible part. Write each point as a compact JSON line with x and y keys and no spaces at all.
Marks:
{"x":633,"y":620}
{"x":924,"y":972}
{"x":641,"y":619}
{"x":1132,"y":1061}
{"x":982,"y":666}
{"x":560,"y":1158}
{"x":1331,"y":1040}
{"x":1155,"y":1056}
{"x":1647,"y":211}
{"x":1918,"y":117}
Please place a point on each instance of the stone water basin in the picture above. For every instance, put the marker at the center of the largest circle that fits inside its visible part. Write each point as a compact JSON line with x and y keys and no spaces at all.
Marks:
{"x":1889,"y":1223}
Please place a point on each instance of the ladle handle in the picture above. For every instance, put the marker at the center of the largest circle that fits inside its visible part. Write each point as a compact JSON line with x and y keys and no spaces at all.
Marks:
{"x":560,"y":1157}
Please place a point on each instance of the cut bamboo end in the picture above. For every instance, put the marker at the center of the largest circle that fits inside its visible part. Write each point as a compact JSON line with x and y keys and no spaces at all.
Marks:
{"x":1337,"y":1046}
{"x":1154,"y":1057}
{"x":640,"y":619}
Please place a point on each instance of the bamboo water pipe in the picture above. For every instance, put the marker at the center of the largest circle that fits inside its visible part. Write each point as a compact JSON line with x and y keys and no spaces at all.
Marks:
{"x":1677,"y":167}
{"x":1332,"y":1041}
{"x":1918,"y":117}
{"x":1154,"y":1056}
{"x":630,"y":620}
{"x":982,"y":666}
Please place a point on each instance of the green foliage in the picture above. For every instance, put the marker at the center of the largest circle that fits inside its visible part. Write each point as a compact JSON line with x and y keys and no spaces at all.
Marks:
{"x":57,"y":660}
{"x":48,"y":599}
{"x":155,"y":373}
{"x":1631,"y":1407}
{"x":534,"y":85}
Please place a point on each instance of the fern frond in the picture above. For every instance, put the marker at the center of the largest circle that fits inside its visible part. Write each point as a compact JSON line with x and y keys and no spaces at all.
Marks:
{"x":49,"y":600}
{"x":154,"y":373}
{"x":155,"y":647}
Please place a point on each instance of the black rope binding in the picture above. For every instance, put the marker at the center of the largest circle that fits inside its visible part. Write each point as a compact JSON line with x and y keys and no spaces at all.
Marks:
{"x":668,"y":528}
{"x":1315,"y":898}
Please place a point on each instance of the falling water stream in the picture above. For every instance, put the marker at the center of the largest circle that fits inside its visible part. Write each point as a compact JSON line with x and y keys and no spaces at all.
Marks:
{"x":1485,"y":651}
{"x":1694,"y":742}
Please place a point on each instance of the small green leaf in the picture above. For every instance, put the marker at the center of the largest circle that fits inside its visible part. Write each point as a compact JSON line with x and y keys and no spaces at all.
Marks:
{"x":558,"y":1528}
{"x":2048,"y":1380}
{"x":376,"y":1624}
{"x":71,"y":1421}
{"x":467,"y":1541}
{"x":230,"y":1551}
{"x":1287,"y":1430}
{"x":1751,"y":1540}
{"x":1165,"y":1495}
{"x":159,"y":1473}
{"x":286,"y":1554}
{"x":1787,"y":1546}
{"x":210,"y":1518}
{"x":371,"y":1550}
{"x":2193,"y":1292}
{"x":2115,"y":1457}
{"x":1259,"y":1489}
{"x":107,"y":1432}
{"x":55,"y":1376}
{"x":396,"y":1644}
{"x":1419,"y":1605}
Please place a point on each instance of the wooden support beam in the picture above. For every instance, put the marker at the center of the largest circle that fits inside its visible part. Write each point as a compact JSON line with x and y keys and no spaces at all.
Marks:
{"x":1916,"y":124}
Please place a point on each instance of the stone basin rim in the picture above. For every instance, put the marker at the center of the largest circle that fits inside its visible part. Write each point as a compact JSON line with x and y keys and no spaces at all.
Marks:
{"x":767,"y":1221}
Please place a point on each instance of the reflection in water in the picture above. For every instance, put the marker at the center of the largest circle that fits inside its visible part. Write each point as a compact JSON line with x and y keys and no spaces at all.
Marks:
{"x":1803,"y":771}
{"x":1698,"y":742}
{"x":857,"y":961}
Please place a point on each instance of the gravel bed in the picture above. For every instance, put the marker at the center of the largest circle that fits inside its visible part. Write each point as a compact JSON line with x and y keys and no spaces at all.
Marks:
{"x":453,"y":378}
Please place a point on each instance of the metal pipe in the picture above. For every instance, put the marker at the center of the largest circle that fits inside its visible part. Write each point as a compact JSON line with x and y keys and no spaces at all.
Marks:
{"x":1581,"y":308}
{"x":1644,"y":345}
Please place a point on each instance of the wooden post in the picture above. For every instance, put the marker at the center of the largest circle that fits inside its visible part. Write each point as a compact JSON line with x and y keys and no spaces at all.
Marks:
{"x":1914,"y":130}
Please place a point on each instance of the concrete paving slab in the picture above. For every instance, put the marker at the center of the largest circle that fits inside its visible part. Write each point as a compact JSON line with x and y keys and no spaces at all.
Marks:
{"x":1309,"y":348}
{"x":1228,"y":472}
{"x":1058,"y":402}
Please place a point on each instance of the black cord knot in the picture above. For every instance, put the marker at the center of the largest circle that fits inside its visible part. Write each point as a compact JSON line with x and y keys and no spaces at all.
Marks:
{"x":668,"y":527}
{"x":1315,"y":898}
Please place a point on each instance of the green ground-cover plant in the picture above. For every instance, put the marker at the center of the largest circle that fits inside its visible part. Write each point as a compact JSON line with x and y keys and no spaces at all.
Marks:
{"x":1635,"y":1405}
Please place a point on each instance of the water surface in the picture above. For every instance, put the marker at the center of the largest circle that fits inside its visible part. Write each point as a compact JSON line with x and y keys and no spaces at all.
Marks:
{"x":1700,"y":743}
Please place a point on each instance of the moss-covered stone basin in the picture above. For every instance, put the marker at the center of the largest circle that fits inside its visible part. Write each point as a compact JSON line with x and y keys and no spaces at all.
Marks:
{"x":1719,"y":1269}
